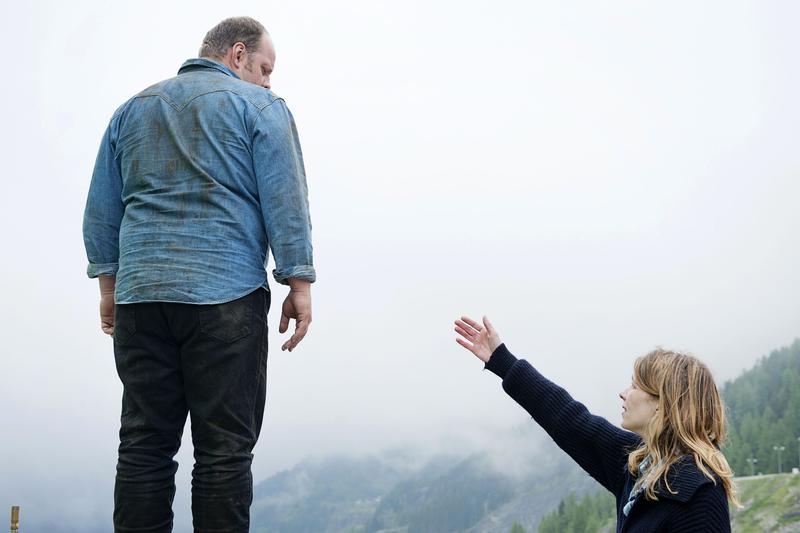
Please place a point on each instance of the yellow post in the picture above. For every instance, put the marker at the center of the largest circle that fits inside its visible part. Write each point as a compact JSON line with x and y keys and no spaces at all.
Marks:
{"x":15,"y":519}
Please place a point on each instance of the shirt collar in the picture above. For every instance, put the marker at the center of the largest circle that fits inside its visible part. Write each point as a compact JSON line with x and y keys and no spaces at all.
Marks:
{"x":205,"y":63}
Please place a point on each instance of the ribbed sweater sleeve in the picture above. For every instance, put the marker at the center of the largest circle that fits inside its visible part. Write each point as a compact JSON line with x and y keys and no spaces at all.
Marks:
{"x":595,"y":444}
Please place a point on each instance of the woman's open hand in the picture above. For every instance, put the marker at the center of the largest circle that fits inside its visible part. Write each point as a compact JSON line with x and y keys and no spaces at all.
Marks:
{"x":479,"y":339}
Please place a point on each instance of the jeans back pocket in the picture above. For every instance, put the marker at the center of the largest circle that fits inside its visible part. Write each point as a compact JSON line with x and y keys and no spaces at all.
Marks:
{"x":229,"y":321}
{"x":124,"y":323}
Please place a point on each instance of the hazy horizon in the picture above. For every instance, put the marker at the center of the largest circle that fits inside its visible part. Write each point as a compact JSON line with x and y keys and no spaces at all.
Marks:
{"x":598,"y":180}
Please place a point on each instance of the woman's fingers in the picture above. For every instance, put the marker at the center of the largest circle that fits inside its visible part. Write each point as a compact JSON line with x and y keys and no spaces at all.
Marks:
{"x":489,"y":327}
{"x":474,"y":325}
{"x":464,"y":333}
{"x":466,"y":345}
{"x":469,"y":330}
{"x":474,"y":348}
{"x":475,"y":334}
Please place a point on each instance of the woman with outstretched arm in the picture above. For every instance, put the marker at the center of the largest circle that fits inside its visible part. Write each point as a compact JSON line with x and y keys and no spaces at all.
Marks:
{"x":665,"y":467}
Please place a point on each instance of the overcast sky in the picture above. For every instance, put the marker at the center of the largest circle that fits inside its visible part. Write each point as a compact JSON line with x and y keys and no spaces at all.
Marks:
{"x":598,"y":178}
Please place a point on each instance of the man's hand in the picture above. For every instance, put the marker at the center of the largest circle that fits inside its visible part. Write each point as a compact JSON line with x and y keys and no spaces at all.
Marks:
{"x":481,"y":340}
{"x":107,"y":285}
{"x":297,"y":305}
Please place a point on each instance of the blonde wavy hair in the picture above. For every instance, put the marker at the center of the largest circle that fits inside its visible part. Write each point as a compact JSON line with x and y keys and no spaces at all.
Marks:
{"x":690,"y":420}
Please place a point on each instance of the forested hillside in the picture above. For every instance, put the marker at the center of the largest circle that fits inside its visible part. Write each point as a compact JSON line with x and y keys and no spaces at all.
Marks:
{"x":764,"y":412}
{"x":592,"y":513}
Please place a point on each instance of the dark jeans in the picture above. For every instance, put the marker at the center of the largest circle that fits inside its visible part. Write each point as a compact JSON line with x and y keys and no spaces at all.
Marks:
{"x":209,"y":361}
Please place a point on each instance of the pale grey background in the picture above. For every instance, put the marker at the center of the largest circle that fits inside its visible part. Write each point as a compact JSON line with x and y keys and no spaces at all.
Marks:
{"x":598,"y":178}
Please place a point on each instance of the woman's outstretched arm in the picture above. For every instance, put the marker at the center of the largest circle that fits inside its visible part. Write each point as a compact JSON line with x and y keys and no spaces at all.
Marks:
{"x":595,"y":444}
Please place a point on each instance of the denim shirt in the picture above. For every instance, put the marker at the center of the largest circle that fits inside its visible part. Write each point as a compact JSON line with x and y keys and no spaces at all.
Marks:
{"x":195,"y":178}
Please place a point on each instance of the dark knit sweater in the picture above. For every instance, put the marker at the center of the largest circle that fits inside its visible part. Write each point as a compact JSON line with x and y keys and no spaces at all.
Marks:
{"x":602,"y":450}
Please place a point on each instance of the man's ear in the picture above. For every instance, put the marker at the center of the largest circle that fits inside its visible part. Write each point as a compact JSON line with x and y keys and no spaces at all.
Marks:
{"x":238,"y":54}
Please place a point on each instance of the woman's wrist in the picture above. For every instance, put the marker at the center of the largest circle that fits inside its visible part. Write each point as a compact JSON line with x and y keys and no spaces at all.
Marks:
{"x":501,"y":361}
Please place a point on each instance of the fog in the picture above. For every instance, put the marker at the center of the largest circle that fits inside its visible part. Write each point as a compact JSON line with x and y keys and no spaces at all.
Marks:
{"x":597,"y":179}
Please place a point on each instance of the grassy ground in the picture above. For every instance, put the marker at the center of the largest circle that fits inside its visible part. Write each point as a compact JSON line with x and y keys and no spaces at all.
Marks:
{"x":771,"y":503}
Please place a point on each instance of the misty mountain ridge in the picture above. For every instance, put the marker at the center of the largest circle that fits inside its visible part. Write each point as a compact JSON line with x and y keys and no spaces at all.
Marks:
{"x":403,"y":491}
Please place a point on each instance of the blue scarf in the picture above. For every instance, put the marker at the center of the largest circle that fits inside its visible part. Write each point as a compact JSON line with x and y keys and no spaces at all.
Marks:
{"x":638,"y":487}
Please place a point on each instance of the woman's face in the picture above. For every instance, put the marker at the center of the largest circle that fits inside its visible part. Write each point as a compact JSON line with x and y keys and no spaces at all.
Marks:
{"x":638,"y":407}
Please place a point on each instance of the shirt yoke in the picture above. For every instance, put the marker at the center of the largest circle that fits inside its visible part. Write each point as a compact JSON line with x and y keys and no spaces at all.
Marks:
{"x":179,"y":92}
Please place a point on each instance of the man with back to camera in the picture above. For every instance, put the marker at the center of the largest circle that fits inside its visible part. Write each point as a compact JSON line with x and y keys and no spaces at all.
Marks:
{"x":195,"y":178}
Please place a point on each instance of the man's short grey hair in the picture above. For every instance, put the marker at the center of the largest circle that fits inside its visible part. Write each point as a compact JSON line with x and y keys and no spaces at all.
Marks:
{"x":224,"y":35}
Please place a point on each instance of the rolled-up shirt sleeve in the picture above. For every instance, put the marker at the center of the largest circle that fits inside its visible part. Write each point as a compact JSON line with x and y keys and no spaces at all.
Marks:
{"x":104,"y":210}
{"x":283,"y":192}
